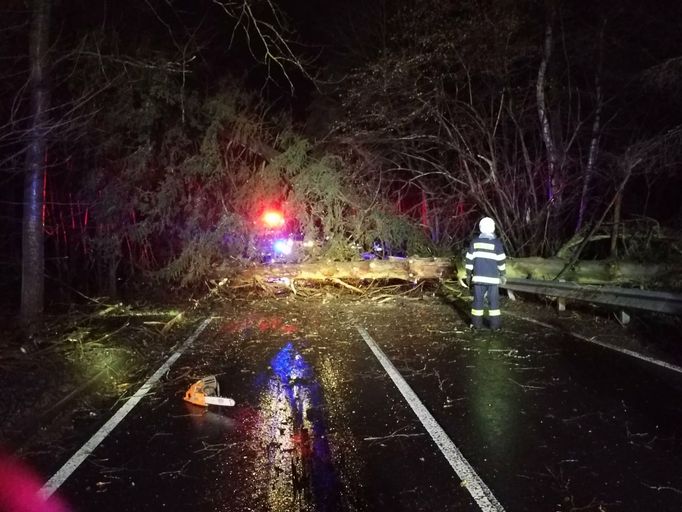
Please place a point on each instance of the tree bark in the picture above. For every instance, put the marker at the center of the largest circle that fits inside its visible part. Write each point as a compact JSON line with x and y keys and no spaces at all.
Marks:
{"x":594,"y":141}
{"x":33,"y":261}
{"x":616,"y":223}
{"x":545,"y":128}
{"x":612,"y":272}
{"x":591,"y":159}
{"x":408,"y":269}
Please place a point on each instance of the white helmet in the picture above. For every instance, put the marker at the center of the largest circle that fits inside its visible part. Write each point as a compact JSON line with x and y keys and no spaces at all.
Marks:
{"x":487,"y":226}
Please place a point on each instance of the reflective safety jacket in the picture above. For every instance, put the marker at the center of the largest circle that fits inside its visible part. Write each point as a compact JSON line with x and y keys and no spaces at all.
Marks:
{"x":485,"y":260}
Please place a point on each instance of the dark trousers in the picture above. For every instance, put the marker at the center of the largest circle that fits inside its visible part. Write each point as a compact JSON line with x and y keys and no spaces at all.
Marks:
{"x":492,"y":293}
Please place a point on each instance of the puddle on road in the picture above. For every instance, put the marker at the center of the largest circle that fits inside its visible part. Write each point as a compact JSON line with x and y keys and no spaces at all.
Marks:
{"x":294,"y":460}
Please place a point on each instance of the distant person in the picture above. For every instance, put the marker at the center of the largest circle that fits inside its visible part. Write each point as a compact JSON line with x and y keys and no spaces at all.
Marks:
{"x":485,"y":268}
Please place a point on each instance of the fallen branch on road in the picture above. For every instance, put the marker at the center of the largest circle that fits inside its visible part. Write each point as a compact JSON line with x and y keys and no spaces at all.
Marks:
{"x":390,"y":436}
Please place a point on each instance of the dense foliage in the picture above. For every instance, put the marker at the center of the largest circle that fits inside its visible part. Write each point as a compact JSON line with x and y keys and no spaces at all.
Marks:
{"x":193,"y":196}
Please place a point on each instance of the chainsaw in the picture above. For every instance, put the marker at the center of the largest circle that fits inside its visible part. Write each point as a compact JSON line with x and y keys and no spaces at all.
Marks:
{"x":205,"y":392}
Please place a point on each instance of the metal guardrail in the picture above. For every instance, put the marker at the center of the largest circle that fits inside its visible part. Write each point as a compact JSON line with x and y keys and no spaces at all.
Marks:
{"x":624,"y":298}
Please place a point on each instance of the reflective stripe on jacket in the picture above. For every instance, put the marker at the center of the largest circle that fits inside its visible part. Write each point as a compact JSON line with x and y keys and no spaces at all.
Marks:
{"x":485,"y":260}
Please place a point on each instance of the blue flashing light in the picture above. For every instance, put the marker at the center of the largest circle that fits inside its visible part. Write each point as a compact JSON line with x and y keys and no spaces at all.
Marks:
{"x":283,"y":246}
{"x":289,"y":365}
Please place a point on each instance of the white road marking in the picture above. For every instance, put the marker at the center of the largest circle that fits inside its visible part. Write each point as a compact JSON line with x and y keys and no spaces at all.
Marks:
{"x":84,"y":452}
{"x":484,"y":498}
{"x":604,"y":344}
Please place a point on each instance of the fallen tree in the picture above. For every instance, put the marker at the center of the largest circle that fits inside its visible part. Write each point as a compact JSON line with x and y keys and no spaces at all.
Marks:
{"x":613,"y":272}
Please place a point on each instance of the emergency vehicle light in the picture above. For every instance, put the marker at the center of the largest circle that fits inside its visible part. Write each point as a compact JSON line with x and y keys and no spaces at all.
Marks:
{"x":273,"y":219}
{"x":283,"y":246}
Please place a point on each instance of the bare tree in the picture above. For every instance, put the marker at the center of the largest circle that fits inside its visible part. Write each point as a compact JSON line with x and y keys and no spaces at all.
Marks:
{"x":593,"y":152}
{"x":545,"y":126}
{"x":33,"y":264}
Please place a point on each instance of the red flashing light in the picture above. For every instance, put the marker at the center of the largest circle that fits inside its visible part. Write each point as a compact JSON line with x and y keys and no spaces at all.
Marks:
{"x":273,"y":219}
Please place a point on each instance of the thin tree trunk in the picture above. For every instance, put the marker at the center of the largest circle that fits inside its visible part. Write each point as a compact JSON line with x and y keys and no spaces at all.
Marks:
{"x":591,"y":160}
{"x":33,"y":261}
{"x":616,"y":224}
{"x":594,"y":142}
{"x":546,"y":129}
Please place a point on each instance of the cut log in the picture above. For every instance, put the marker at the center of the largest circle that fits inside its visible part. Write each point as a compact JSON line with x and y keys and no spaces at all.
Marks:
{"x":627,"y":273}
{"x":407,"y":269}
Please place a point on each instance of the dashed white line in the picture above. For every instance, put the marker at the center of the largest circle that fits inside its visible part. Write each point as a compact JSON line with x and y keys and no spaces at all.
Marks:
{"x":484,"y":498}
{"x":84,"y":452}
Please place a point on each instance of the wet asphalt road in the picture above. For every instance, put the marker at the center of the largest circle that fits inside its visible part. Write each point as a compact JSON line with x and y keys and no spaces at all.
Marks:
{"x":548,"y":423}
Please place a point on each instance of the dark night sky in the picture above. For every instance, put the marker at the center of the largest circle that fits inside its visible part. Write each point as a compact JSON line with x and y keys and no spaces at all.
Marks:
{"x":335,"y":36}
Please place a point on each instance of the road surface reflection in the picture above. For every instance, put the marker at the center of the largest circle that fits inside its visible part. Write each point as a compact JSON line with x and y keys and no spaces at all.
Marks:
{"x":296,"y":466}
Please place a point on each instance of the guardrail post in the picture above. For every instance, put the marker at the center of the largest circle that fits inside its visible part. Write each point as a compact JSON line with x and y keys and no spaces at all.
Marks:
{"x":623,"y":317}
{"x":561,"y":301}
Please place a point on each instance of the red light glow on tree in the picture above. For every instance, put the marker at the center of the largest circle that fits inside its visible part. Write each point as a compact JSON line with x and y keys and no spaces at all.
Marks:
{"x":273,"y":219}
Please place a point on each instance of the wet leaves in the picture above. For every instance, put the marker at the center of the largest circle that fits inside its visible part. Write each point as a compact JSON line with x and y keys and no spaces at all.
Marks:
{"x":90,"y":355}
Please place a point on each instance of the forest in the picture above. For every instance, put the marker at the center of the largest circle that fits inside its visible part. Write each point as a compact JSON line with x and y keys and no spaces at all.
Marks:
{"x":141,"y":142}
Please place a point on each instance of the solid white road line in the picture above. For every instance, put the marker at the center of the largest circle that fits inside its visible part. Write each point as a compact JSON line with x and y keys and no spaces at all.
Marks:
{"x":604,"y":344}
{"x":79,"y":457}
{"x":484,"y":498}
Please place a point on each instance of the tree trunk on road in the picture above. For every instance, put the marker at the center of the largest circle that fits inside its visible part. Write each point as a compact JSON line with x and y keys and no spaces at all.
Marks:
{"x":419,"y":269}
{"x":33,"y":261}
{"x":409,"y":269}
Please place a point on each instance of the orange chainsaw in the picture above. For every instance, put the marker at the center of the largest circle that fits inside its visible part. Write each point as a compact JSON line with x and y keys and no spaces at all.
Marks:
{"x":205,"y":392}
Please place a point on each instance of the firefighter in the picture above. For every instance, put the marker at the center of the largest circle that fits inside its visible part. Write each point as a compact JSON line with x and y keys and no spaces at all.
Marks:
{"x":485,"y":269}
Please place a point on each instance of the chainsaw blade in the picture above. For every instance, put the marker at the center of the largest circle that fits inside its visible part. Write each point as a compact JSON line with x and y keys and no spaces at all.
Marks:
{"x":205,"y":392}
